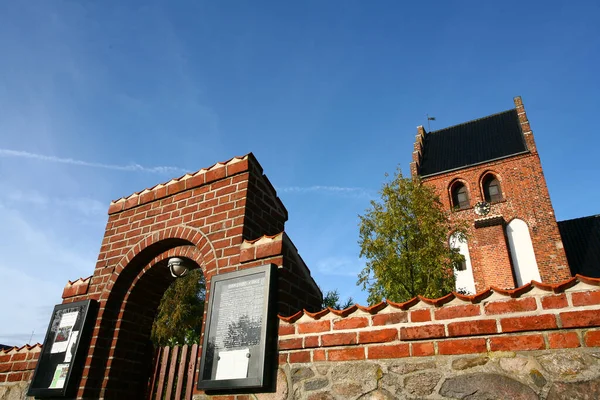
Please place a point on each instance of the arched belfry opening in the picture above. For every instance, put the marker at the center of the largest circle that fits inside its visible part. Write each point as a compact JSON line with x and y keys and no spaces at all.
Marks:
{"x":221,"y":219}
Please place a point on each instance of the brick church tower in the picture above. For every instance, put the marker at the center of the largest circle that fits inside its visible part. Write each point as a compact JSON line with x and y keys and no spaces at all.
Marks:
{"x":488,"y":172}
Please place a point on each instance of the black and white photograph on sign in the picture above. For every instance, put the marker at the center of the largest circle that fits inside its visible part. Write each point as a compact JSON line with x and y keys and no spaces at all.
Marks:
{"x":63,"y":332}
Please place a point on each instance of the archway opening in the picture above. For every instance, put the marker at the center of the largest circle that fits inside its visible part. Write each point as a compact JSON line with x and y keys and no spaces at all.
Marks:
{"x":123,"y":350}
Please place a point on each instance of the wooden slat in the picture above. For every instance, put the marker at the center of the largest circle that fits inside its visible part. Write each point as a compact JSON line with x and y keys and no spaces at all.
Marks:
{"x":172,"y":372}
{"x":163,"y":370}
{"x":181,"y":371}
{"x":154,"y":377}
{"x":189,"y":387}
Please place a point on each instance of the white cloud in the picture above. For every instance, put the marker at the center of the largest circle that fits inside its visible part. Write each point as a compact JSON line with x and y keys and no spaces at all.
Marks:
{"x":340,"y":266}
{"x":37,"y":258}
{"x":349,"y":191}
{"x":83,"y":205}
{"x":131,"y":167}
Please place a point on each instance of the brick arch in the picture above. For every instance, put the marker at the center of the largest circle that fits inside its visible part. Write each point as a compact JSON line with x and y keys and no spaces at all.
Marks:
{"x":134,"y":325}
{"x":194,"y":236}
{"x":483,"y":177}
{"x":450,"y":189}
{"x":138,"y":271}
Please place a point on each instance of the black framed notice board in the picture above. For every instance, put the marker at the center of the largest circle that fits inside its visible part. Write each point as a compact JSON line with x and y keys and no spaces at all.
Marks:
{"x":64,"y":350}
{"x":239,"y":337}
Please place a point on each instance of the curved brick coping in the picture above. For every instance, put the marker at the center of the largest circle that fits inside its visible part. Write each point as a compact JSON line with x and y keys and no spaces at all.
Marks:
{"x":576,"y":283}
{"x":533,"y":317}
{"x":28,"y":348}
{"x":213,"y":173}
{"x":17,"y":364}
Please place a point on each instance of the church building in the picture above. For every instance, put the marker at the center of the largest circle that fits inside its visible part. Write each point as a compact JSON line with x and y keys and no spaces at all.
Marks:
{"x":488,"y":172}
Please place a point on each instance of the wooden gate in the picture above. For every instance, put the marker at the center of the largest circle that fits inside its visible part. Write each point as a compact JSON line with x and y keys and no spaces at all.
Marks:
{"x":173,"y":373}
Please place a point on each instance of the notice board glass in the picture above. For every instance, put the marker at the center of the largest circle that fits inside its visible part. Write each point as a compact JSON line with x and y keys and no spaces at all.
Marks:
{"x":239,"y":337}
{"x":64,"y":350}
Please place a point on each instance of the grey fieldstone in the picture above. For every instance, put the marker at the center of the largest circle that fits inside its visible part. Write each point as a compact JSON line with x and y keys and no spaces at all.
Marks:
{"x":347,"y":389}
{"x":585,"y":390}
{"x":514,"y":365}
{"x":315,"y":384}
{"x":563,"y":364}
{"x":379,"y":394}
{"x":350,"y":376}
{"x":421,"y":384}
{"x":537,"y":378}
{"x":320,"y":396}
{"x":322,"y":369}
{"x":281,"y":392}
{"x":486,"y":387}
{"x":299,"y":374}
{"x":406,"y":368}
{"x":392,"y":382}
{"x":470,"y":362}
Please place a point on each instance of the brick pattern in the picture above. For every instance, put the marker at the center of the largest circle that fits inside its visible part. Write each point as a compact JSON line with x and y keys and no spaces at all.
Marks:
{"x":218,"y":218}
{"x":18,"y":364}
{"x":76,"y":288}
{"x":538,"y":317}
{"x":525,"y":196}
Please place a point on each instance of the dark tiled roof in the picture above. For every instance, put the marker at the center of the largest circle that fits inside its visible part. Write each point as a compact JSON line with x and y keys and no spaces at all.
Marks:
{"x":581,"y":238}
{"x":473,"y":142}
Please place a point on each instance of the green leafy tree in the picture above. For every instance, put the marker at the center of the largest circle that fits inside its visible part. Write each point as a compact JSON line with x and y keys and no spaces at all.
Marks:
{"x":404,"y":237}
{"x":179,"y":317}
{"x":332,"y":300}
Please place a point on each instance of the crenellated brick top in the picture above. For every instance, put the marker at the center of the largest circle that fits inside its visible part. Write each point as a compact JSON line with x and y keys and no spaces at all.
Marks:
{"x":76,"y":288}
{"x":535,"y":316}
{"x":217,"y":171}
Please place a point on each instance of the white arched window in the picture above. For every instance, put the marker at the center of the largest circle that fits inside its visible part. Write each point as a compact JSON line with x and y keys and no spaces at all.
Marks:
{"x":464,"y":271}
{"x":521,"y":252}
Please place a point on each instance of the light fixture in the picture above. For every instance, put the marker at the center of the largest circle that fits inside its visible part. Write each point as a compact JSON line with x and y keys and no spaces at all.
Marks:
{"x":177,"y":267}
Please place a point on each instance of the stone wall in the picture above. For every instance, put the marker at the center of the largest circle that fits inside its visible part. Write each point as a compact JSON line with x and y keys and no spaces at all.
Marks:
{"x":537,"y":341}
{"x":564,"y":374}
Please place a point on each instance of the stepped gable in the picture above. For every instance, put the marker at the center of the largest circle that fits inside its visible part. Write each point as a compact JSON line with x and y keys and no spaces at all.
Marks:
{"x":473,"y":142}
{"x":578,"y":282}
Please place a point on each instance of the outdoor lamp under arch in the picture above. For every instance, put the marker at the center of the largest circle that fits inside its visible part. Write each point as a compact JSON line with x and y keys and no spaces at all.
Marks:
{"x":177,"y":267}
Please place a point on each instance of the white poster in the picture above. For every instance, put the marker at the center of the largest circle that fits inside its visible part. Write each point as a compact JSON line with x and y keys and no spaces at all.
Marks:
{"x":63,"y":332}
{"x":233,"y":364}
{"x":60,"y":376}
{"x":71,"y":346}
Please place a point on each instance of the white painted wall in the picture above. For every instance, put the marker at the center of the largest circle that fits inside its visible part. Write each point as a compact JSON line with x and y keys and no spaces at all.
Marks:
{"x":521,"y":251}
{"x":464,"y":279}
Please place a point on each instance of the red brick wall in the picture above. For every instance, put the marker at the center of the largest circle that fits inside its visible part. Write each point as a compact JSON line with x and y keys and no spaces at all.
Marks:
{"x":18,"y":364}
{"x":209,"y":218}
{"x":536,"y":317}
{"x":525,"y":197}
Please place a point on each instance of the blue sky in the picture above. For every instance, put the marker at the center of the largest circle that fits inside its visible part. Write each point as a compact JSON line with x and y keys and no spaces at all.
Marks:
{"x":102,"y":99}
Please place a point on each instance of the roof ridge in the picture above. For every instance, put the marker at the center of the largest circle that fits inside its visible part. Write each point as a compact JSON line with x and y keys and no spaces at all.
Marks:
{"x":573,"y":219}
{"x":473,"y":120}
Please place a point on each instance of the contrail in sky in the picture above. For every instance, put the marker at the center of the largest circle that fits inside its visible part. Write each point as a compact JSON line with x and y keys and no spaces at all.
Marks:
{"x":351,"y":191}
{"x":357,"y":191}
{"x":131,"y":167}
